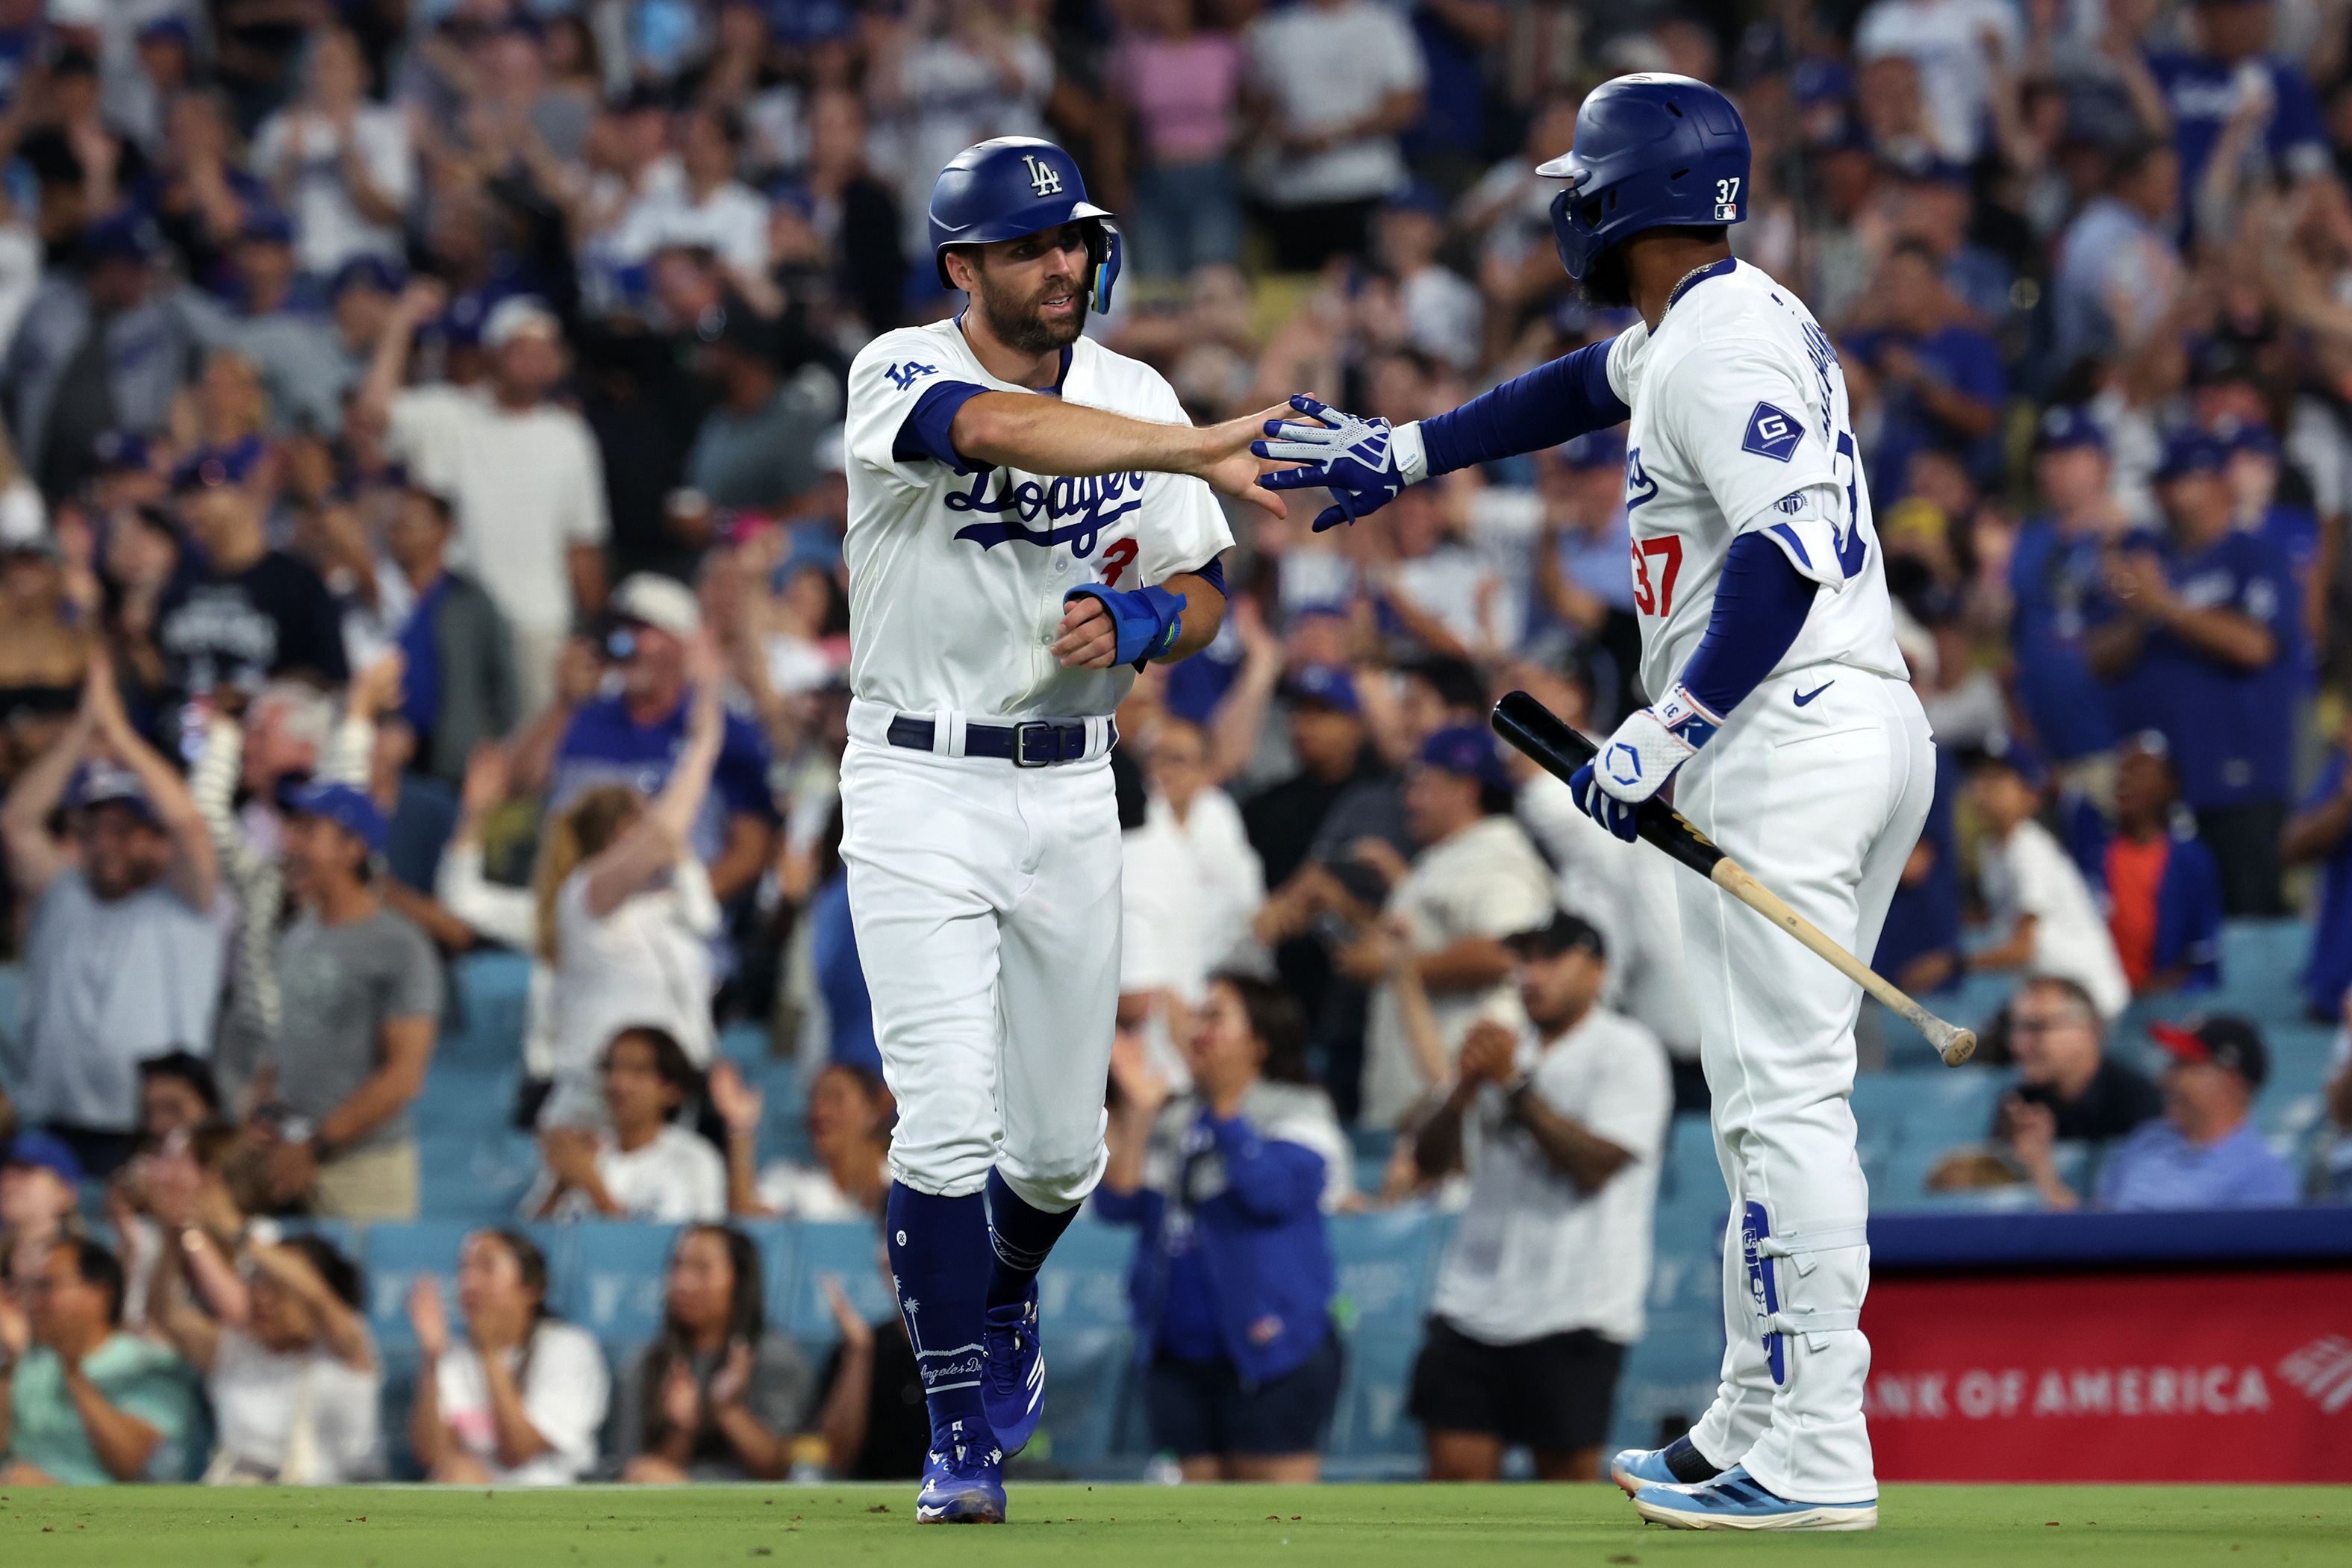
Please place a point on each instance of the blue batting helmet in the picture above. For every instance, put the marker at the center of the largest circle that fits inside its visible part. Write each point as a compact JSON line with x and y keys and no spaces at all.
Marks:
{"x":1651,"y":150}
{"x":1018,"y":186}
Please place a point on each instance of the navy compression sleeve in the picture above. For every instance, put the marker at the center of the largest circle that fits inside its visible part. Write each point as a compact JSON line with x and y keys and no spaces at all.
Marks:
{"x":1760,"y":604}
{"x":927,"y":431}
{"x":1557,"y":402}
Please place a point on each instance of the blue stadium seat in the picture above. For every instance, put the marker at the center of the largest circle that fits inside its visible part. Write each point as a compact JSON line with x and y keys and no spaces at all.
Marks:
{"x":1375,"y":1385}
{"x":491,"y":996}
{"x":1386,"y":1263}
{"x":746,"y":1044}
{"x":461,"y":1099}
{"x":614,"y":1286}
{"x":479,"y":1178}
{"x":2262,"y":968}
{"x":1082,"y":1302}
{"x":1670,"y":1376}
{"x":849,"y":1249}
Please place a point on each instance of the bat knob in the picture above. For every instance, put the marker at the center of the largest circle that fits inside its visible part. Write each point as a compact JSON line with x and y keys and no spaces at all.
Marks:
{"x":1957,"y":1045}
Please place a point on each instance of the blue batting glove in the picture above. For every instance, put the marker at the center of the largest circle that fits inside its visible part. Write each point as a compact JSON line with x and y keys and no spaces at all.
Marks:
{"x":1617,"y":816}
{"x":1354,"y":458}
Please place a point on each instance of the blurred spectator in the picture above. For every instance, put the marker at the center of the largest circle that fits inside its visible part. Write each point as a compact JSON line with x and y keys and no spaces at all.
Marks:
{"x":253,"y":614}
{"x":642,"y":1165}
{"x":1182,"y":83}
{"x":2116,"y":267}
{"x":756,"y":448}
{"x":1960,"y":48}
{"x":1919,"y":945}
{"x":1579,"y":561}
{"x":1233,"y":1278}
{"x":2202,"y":642}
{"x":2164,"y":892}
{"x":87,"y":1403}
{"x":523,"y":472}
{"x":285,"y":1354}
{"x":2038,"y":903}
{"x":104,"y":347}
{"x":1191,"y":883}
{"x":339,"y":165}
{"x":719,"y":1395}
{"x":1476,"y":880}
{"x":2055,"y":573}
{"x":870,"y":1402}
{"x":1435,"y":595}
{"x":2204,"y":1153}
{"x":361,"y":993}
{"x":951,"y":74}
{"x":1323,"y":152}
{"x":2230,"y":81}
{"x":132,"y":889}
{"x":2321,"y":834}
{"x":626,"y":913}
{"x":1442,"y":309}
{"x":1937,"y":381}
{"x":2068,"y":1087}
{"x":848,"y":1126}
{"x":519,"y":1401}
{"x":292,"y":348}
{"x":1560,"y":1124}
{"x":41,"y":1203}
{"x":176,"y":1094}
{"x":200,"y":192}
{"x":2335,"y":1169}
{"x":637,"y":738}
{"x":708,"y":207}
{"x":853,"y":212}
{"x":458,"y":685}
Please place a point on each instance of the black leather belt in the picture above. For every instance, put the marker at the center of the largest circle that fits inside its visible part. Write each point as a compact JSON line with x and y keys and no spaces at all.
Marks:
{"x":1031,"y":743}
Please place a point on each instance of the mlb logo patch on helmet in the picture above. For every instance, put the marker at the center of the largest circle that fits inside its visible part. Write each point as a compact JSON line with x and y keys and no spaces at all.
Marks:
{"x":1773,"y":434}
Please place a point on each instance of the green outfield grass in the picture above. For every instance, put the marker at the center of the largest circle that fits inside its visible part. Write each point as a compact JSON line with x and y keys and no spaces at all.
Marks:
{"x":1119,"y":1526}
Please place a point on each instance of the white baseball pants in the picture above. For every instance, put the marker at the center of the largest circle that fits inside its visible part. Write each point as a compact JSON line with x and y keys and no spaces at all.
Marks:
{"x":1822,"y":804}
{"x":986,"y":902}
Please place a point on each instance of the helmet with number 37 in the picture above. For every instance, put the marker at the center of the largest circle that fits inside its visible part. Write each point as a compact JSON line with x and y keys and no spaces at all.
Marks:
{"x":1017,"y":186}
{"x":1652,"y":151}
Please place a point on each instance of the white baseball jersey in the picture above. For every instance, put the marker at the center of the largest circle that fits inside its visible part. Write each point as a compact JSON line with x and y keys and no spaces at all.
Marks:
{"x":1740,"y":425}
{"x":956,"y":579}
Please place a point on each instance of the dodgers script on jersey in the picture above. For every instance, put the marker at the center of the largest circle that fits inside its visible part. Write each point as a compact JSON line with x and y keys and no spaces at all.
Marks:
{"x":1740,"y":425}
{"x":956,"y":578}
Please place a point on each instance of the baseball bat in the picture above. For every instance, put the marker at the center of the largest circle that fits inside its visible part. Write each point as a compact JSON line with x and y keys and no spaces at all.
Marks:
{"x":1560,"y":751}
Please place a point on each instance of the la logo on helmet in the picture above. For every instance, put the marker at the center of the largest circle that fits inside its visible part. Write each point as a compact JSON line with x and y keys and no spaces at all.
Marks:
{"x":1043,"y":178}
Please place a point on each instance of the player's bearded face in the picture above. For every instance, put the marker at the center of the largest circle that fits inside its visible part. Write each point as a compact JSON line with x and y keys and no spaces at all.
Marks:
{"x":1608,"y":284}
{"x":1038,"y":305}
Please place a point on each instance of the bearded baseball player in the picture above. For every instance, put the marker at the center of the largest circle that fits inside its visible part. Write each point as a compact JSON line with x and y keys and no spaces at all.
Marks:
{"x":1028,"y":524}
{"x":1781,"y":712}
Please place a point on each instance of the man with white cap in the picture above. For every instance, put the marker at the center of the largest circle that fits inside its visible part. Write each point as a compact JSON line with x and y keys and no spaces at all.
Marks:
{"x":523,"y":472}
{"x":632,"y":737}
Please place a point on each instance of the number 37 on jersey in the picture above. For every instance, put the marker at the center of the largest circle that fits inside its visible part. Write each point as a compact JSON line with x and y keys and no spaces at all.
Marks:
{"x":1656,"y":562}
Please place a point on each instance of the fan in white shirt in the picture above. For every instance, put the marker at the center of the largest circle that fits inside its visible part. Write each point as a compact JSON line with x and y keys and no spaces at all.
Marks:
{"x":286,"y":1359}
{"x":849,"y":1116}
{"x":519,"y":1400}
{"x":644,"y":1166}
{"x":2034,"y":891}
{"x":1193,"y":884}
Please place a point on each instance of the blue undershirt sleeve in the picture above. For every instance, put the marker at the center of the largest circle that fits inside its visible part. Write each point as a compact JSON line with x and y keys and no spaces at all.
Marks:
{"x":1760,"y":604}
{"x":1557,"y":401}
{"x":928,"y":430}
{"x":1214,"y":574}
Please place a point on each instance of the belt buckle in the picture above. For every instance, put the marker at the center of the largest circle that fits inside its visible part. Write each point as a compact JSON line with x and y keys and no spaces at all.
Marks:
{"x":1021,"y":733}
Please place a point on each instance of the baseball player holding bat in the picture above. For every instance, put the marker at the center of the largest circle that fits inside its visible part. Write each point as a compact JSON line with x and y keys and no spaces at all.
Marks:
{"x":1028,"y":524}
{"x":1783,"y":712}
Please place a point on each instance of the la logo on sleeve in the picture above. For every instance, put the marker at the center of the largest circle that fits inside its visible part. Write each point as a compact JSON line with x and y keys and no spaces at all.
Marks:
{"x":1771,"y":434}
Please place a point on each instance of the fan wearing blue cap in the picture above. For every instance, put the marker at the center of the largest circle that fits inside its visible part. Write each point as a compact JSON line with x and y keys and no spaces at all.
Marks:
{"x":1759,"y":586}
{"x":2056,"y":575}
{"x":2200,"y":633}
{"x":1031,"y":520}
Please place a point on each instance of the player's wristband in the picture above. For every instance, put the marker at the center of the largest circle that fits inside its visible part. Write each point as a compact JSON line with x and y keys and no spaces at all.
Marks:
{"x":1408,"y":452}
{"x":1652,"y":743}
{"x":1148,"y":621}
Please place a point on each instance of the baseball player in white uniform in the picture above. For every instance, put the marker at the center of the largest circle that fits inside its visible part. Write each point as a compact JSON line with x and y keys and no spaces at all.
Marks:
{"x":1028,"y":523}
{"x":1781,"y":708}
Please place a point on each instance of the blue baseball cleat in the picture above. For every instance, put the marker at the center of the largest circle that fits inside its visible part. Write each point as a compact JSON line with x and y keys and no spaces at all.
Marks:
{"x":962,"y":1483}
{"x":1634,"y":1468}
{"x":1737,"y":1501}
{"x":1013,"y":1373}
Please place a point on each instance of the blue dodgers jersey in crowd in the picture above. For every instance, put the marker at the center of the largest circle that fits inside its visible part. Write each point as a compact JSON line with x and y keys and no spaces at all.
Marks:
{"x":2232,"y":731}
{"x":604,"y":746}
{"x":2053,"y":582}
{"x":1924,"y":916}
{"x":1959,"y":357}
{"x":2202,"y":93}
{"x":2331,"y":932}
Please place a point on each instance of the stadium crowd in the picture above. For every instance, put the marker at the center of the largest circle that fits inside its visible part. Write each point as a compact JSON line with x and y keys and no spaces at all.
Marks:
{"x":421,"y":509}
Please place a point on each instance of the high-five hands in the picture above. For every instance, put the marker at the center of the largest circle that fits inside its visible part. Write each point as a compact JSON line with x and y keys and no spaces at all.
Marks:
{"x":1352,"y":457}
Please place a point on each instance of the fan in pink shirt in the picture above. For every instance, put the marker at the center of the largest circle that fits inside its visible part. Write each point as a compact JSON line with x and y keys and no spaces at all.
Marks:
{"x":1182,"y":84}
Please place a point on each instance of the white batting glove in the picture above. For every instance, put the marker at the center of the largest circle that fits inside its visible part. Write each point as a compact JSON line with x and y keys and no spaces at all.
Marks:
{"x":1647,"y":748}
